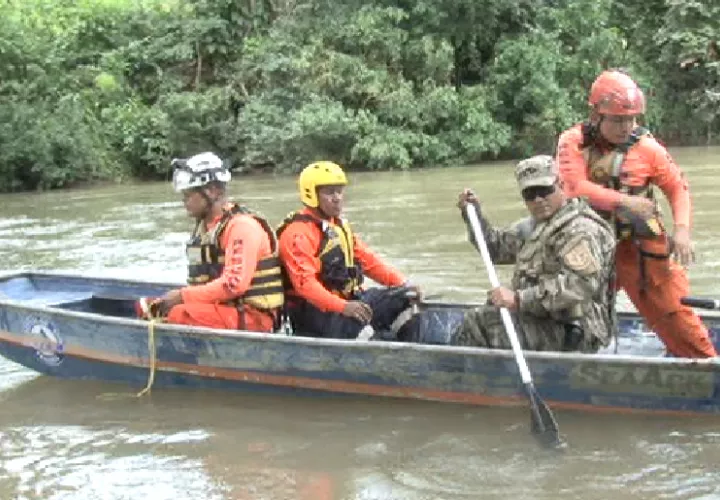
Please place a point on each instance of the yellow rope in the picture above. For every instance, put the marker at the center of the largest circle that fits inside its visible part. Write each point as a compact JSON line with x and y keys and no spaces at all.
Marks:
{"x":153,"y":355}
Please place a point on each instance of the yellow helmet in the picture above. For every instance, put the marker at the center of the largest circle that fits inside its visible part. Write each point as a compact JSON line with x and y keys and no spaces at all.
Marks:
{"x":320,"y":173}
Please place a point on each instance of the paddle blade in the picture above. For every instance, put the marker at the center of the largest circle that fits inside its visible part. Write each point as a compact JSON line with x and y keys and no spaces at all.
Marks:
{"x":543,"y":424}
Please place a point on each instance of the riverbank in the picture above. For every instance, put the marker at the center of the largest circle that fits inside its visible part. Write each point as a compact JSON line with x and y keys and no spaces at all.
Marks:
{"x":114,"y":89}
{"x":676,"y":142}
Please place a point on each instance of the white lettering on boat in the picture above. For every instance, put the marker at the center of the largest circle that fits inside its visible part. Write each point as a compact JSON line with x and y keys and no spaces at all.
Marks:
{"x":643,"y":380}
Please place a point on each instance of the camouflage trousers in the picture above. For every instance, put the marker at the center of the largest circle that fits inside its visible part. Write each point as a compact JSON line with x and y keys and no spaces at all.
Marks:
{"x":483,"y":327}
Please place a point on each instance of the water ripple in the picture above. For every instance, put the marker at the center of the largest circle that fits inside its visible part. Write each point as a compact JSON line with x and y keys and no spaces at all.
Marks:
{"x":64,"y":462}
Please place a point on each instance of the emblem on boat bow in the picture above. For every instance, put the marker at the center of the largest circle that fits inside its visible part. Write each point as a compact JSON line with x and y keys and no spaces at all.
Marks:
{"x":49,"y":344}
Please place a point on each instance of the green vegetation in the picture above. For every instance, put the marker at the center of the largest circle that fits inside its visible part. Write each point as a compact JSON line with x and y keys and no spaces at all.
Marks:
{"x":105,"y":90}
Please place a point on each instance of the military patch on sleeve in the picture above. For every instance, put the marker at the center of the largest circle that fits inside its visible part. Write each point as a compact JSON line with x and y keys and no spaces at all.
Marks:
{"x":579,"y":258}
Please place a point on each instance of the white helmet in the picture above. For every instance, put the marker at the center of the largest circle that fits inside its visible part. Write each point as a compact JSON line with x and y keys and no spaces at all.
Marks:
{"x":198,"y":171}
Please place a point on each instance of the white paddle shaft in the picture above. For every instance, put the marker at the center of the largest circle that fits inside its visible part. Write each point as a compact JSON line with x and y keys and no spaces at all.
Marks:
{"x":495,"y":283}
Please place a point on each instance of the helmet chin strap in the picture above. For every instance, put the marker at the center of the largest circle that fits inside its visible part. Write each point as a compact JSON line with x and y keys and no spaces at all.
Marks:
{"x":596,"y":119}
{"x":319,"y":211}
{"x":595,"y":122}
{"x":209,"y":204}
{"x":322,"y":213}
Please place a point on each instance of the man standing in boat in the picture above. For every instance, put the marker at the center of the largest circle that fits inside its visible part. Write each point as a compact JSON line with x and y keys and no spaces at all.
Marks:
{"x":561,"y":298}
{"x":234,"y":275}
{"x":615,"y":163}
{"x":325,"y":264}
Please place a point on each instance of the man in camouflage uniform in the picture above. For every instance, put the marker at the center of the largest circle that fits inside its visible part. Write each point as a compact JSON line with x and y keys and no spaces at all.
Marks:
{"x":562,"y":293}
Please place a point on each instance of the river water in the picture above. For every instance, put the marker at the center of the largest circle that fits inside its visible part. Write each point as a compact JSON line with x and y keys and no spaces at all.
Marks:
{"x":88,"y":440}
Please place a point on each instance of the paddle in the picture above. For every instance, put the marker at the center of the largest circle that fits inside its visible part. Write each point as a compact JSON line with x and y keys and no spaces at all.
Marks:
{"x":544,"y":427}
{"x":700,"y":302}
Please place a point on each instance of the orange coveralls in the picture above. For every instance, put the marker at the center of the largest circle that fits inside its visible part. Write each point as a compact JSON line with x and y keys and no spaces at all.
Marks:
{"x":299,"y":246}
{"x":245,"y":243}
{"x":658,"y":299}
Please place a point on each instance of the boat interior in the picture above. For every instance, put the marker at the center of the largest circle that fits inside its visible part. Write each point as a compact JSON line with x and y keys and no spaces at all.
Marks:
{"x":116,"y":298}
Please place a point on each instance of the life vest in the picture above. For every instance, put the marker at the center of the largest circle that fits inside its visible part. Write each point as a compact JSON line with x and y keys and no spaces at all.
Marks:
{"x":339,"y":273}
{"x":605,"y":169}
{"x":206,"y":261}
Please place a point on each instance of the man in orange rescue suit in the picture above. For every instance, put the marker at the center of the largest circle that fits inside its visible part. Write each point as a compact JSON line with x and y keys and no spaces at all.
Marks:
{"x":325,"y":263}
{"x":615,"y":164}
{"x":234,"y":274}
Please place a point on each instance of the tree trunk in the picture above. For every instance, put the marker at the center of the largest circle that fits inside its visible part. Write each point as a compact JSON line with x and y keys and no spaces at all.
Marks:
{"x":198,"y":66}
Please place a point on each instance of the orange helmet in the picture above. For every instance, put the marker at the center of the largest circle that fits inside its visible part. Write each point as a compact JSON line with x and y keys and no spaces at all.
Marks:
{"x":615,"y":93}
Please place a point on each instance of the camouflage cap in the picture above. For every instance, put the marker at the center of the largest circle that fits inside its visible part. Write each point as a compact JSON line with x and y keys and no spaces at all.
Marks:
{"x":536,"y":171}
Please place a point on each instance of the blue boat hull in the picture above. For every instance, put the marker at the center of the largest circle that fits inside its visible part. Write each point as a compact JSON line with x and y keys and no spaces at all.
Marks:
{"x":51,"y":324}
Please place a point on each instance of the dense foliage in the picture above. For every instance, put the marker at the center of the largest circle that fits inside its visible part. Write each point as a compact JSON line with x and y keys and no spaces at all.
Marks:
{"x":106,"y":89}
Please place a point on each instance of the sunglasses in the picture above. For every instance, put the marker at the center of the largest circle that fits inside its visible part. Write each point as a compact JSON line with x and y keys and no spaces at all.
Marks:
{"x":529,"y":194}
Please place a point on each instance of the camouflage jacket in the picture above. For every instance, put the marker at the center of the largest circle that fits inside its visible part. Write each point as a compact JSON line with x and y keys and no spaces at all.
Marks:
{"x":564,"y":268}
